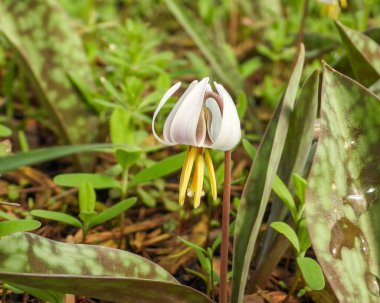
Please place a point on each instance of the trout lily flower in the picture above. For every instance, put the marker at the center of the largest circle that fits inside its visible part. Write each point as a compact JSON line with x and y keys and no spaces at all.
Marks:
{"x":201,"y":119}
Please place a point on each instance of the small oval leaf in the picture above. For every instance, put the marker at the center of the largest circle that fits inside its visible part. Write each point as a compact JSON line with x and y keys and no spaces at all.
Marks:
{"x":311,"y":272}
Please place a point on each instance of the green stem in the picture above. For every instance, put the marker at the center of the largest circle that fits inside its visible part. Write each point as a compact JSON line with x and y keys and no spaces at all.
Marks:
{"x":223,"y":290}
{"x":297,"y":276}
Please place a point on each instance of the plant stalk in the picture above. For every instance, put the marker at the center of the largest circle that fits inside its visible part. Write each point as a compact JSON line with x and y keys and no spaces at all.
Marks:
{"x":294,"y":285}
{"x":223,"y":290}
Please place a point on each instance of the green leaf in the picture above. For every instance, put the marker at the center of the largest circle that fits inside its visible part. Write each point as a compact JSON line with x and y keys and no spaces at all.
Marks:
{"x":112,"y":212}
{"x":303,"y":236}
{"x":127,"y":158}
{"x":121,"y":127}
{"x":14,"y":226}
{"x":86,"y":270}
{"x":300,"y":186}
{"x":293,"y":160}
{"x":251,"y":151}
{"x":5,"y":131}
{"x":311,"y":272}
{"x":284,"y":194}
{"x":46,"y":60}
{"x":288,"y":232}
{"x":219,"y":60}
{"x":56,"y":216}
{"x":15,"y":161}
{"x":255,"y":198}
{"x":95,"y":180}
{"x":161,"y":169}
{"x":87,"y":198}
{"x":363,"y":53}
{"x":46,"y":295}
{"x":342,"y":201}
{"x":194,"y":246}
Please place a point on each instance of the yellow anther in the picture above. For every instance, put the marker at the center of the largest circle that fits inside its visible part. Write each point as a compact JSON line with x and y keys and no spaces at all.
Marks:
{"x":211,"y":174}
{"x":343,"y":3}
{"x":186,"y":172}
{"x":200,"y":167}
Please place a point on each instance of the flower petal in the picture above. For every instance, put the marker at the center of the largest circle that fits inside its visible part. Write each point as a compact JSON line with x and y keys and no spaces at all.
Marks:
{"x":183,"y":129}
{"x":215,"y":120}
{"x":165,"y":98}
{"x":229,"y":131}
{"x":169,"y":119}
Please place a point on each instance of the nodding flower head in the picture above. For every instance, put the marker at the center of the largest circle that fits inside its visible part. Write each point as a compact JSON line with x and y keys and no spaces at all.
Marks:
{"x":202,"y":119}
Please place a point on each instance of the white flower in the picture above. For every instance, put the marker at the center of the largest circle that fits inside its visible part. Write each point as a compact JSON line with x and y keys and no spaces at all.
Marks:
{"x":201,"y":119}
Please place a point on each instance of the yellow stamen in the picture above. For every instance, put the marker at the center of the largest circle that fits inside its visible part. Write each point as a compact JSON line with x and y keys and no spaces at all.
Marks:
{"x":186,"y":172}
{"x":343,"y":3}
{"x":211,"y":174}
{"x":200,"y":166}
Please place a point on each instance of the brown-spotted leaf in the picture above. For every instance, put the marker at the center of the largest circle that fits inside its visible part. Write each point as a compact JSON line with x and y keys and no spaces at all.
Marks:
{"x":94,"y":271}
{"x":342,"y":202}
{"x":48,"y":49}
{"x":363,"y":53}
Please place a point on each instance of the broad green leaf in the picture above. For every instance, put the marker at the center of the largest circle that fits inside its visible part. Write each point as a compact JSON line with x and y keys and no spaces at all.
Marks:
{"x":87,"y":270}
{"x":161,"y":169}
{"x":87,"y":198}
{"x":293,"y":160}
{"x":47,"y":48}
{"x":14,"y":226}
{"x":56,"y":216}
{"x":363,"y":53}
{"x":284,"y":194}
{"x":342,"y":200}
{"x":112,"y":212}
{"x":15,"y":161}
{"x":311,"y":272}
{"x":127,"y":158}
{"x":95,"y":180}
{"x":258,"y":186}
{"x":288,"y":232}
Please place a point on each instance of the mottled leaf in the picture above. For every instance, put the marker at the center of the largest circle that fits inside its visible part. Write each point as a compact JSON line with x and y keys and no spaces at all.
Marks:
{"x":258,"y":186}
{"x":93,"y":271}
{"x":342,"y":201}
{"x":48,"y":48}
{"x":363,"y":53}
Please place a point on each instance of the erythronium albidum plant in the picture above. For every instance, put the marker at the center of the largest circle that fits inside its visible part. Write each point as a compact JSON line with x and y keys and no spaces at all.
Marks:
{"x":203,"y":119}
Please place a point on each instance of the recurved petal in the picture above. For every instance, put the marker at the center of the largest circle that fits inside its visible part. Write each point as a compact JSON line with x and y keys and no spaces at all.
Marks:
{"x":229,"y":130}
{"x":165,"y":98}
{"x":184,"y":126}
{"x":169,"y":119}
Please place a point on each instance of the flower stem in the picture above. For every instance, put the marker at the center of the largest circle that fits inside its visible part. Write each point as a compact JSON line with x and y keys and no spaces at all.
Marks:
{"x":223,"y":290}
